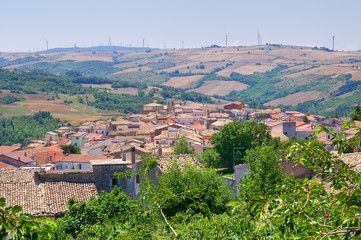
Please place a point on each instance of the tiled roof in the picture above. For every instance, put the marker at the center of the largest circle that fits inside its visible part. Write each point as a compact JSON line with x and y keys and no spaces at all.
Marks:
{"x":79,"y":134}
{"x":7,"y":149}
{"x":182,"y":160}
{"x":20,"y":155}
{"x":44,"y":198}
{"x":7,"y":166}
{"x":199,"y":127}
{"x":82,"y":158}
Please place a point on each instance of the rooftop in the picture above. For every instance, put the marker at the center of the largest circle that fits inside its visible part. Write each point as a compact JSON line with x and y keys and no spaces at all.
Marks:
{"x":44,"y":198}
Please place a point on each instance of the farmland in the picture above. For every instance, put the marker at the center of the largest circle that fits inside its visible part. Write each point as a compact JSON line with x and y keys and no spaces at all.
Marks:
{"x":294,"y":76}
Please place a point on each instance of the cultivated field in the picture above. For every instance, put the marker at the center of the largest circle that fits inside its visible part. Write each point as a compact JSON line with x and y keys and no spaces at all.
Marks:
{"x":220,"y":88}
{"x":295,"y":98}
{"x":182,"y":82}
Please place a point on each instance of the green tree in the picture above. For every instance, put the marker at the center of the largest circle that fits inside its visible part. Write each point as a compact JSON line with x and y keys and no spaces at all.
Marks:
{"x":194,"y":190}
{"x":211,"y":158}
{"x":245,"y":135}
{"x":356,"y":113}
{"x":108,"y":207}
{"x":70,"y":149}
{"x":182,"y":147}
{"x":18,"y":225}
{"x":264,"y":173}
{"x":305,"y":119}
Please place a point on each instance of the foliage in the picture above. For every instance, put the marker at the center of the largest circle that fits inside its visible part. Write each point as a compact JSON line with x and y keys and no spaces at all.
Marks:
{"x":113,"y":207}
{"x":70,"y":149}
{"x":211,"y":158}
{"x":356,"y":113}
{"x":192,"y":190}
{"x":9,"y":99}
{"x":23,"y":129}
{"x":264,"y":173}
{"x":240,"y":135}
{"x":182,"y":147}
{"x":18,"y":225}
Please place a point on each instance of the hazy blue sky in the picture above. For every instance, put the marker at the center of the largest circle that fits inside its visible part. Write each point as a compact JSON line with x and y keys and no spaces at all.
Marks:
{"x":25,"y":24}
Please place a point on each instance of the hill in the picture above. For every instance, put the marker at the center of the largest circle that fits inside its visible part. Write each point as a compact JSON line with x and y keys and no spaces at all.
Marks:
{"x":299,"y":78}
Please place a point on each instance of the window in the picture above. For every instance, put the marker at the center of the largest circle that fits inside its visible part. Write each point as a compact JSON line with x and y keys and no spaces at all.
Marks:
{"x":286,"y":133}
{"x":137,"y":178}
{"x":114,"y":182}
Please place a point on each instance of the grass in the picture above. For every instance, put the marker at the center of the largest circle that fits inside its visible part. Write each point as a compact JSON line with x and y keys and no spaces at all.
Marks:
{"x":11,"y":110}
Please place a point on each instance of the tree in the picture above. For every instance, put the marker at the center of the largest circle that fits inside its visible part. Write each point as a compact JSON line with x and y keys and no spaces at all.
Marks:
{"x":211,"y":158}
{"x":264,"y":173}
{"x":305,"y":119}
{"x":356,"y":113}
{"x":113,"y":206}
{"x":194,"y":190}
{"x":23,"y":226}
{"x":70,"y":149}
{"x":245,"y":135}
{"x":182,"y":147}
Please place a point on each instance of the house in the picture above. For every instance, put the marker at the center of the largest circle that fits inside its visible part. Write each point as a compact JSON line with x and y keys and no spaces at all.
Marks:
{"x":49,"y":157}
{"x":216,"y":126}
{"x":234,"y":105}
{"x":42,"y":198}
{"x":287,"y":128}
{"x":76,"y":161}
{"x":87,"y":127}
{"x":153,"y":107}
{"x":95,"y":147}
{"x":77,"y":139}
{"x":101,"y":128}
{"x":51,"y":136}
{"x":17,"y":159}
{"x":184,"y":119}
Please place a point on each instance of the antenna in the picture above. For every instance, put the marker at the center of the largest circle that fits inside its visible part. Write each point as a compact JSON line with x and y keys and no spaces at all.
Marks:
{"x":333,"y":43}
{"x":226,"y":40}
{"x":259,"y":38}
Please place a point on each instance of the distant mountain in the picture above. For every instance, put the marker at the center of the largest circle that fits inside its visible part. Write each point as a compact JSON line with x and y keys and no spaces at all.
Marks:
{"x":99,"y":49}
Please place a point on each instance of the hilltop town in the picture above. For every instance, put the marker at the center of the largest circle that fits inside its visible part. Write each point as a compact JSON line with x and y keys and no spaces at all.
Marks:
{"x":118,"y":144}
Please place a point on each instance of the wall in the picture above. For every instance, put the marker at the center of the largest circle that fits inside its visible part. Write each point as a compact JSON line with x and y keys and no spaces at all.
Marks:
{"x":70,"y":165}
{"x":103,"y":175}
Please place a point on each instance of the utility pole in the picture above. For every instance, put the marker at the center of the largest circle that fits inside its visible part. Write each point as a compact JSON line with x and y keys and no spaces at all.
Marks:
{"x":259,"y":40}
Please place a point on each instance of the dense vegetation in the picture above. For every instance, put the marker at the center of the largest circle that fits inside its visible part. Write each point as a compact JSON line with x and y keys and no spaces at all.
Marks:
{"x":23,"y":129}
{"x":38,"y":81}
{"x":9,"y":99}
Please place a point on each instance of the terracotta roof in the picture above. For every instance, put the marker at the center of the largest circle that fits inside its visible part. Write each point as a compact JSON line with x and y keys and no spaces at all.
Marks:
{"x":32,"y":151}
{"x":292,"y":112}
{"x":44,"y":198}
{"x":82,"y":158}
{"x":199,"y":127}
{"x":7,"y":149}
{"x":7,"y":166}
{"x":20,"y":155}
{"x":63,"y":141}
{"x":184,"y":116}
{"x":182,"y":160}
{"x":79,"y":134}
{"x":43,"y":158}
{"x":280,"y":135}
{"x":272,"y":124}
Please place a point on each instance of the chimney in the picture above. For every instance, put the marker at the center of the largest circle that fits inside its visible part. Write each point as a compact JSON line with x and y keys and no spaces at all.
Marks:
{"x":124,"y":157}
{"x":133,"y":154}
{"x":283,"y":156}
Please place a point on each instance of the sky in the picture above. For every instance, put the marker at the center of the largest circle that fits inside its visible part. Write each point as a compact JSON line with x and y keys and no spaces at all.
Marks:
{"x":26,"y":25}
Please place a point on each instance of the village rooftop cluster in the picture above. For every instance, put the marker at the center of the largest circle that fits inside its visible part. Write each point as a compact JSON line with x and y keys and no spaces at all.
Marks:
{"x":41,"y":177}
